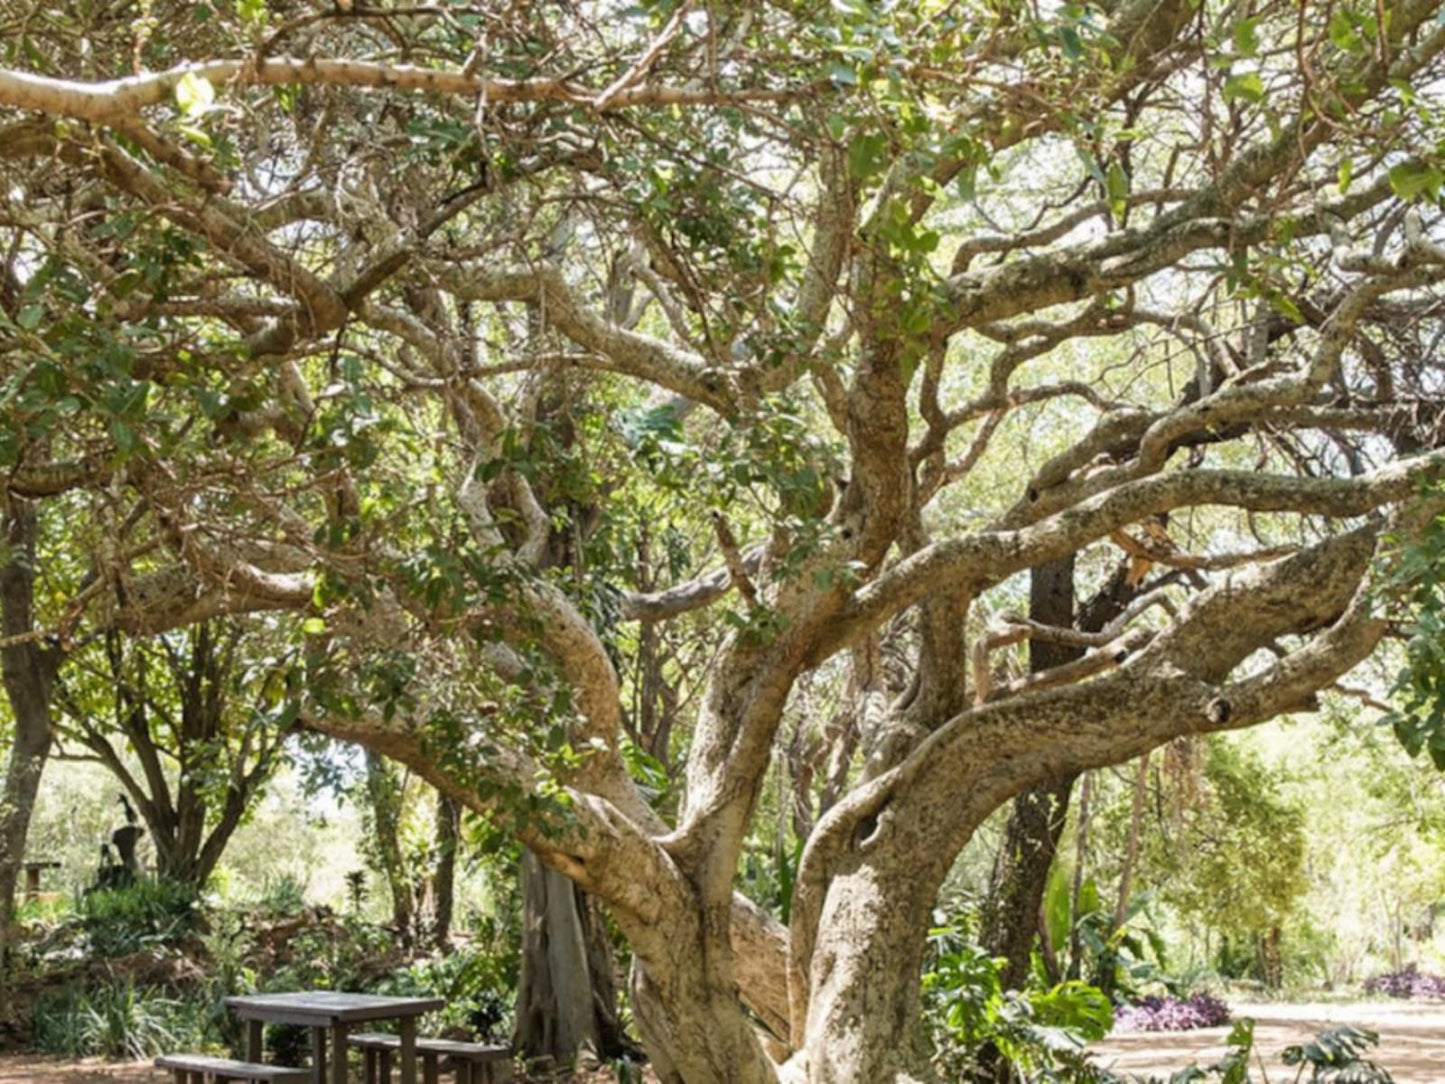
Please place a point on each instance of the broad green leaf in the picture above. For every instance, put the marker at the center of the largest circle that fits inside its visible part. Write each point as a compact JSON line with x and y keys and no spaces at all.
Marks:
{"x":194,"y":94}
{"x":1117,"y":186}
{"x":1248,"y":87}
{"x":1410,"y":180}
{"x":1246,"y":37}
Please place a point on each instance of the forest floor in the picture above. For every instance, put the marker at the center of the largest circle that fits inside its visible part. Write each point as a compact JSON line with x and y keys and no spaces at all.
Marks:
{"x":35,"y":1069}
{"x":1412,"y":1039}
{"x":1412,"y":1047}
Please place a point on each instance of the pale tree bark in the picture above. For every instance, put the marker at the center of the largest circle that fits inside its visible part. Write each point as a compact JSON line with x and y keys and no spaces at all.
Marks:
{"x":567,"y":991}
{"x":29,"y":668}
{"x":879,"y":834}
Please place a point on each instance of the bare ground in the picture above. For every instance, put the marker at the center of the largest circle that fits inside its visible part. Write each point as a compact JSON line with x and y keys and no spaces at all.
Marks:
{"x":34,"y":1069}
{"x":1412,"y":1039}
{"x":1412,"y":1047}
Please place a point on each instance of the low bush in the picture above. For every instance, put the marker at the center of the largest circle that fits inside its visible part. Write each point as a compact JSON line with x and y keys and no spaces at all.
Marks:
{"x":1041,"y":1031}
{"x":1409,"y":983}
{"x":119,"y":1020}
{"x":138,"y":917}
{"x":1173,"y":1014}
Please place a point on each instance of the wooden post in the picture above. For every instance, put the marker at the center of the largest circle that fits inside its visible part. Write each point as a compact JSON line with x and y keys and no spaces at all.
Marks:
{"x":429,"y":1069}
{"x":32,"y":883}
{"x":253,"y":1041}
{"x":338,"y":1053}
{"x":385,"y":1066}
{"x":318,"y":1055}
{"x":408,"y":1050}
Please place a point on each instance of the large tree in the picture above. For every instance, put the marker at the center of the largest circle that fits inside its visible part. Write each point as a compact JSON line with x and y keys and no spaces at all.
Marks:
{"x":343,"y":310}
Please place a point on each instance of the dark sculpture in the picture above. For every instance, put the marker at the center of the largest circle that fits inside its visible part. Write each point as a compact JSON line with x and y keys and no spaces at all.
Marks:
{"x":119,"y":874}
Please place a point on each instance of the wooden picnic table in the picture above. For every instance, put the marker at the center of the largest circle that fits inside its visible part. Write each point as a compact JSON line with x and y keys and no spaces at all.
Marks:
{"x":331,"y":1013}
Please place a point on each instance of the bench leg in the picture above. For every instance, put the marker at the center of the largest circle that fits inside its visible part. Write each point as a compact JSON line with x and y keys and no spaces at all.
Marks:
{"x":368,"y":1066}
{"x":463,"y":1070}
{"x":429,"y":1070}
{"x":408,"y":1050}
{"x":338,"y":1054}
{"x":318,"y":1055}
{"x":198,"y":1078}
{"x":385,"y":1066}
{"x":180,"y":1076}
{"x":253,"y":1041}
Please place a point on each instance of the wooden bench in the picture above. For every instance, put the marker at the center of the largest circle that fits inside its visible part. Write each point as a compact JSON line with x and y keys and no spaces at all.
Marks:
{"x":200,"y":1068}
{"x":471,"y":1063}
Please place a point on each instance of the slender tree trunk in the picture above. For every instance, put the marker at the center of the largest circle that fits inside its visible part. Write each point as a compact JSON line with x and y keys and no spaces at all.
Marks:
{"x":29,"y":672}
{"x":1106,"y":976}
{"x":1131,"y":850}
{"x":448,"y":825}
{"x":384,"y":791}
{"x":1081,"y":851}
{"x":1021,"y":867}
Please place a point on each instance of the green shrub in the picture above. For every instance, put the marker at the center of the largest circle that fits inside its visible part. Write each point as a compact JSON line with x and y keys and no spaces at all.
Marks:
{"x":138,"y":917}
{"x":1041,"y":1031}
{"x":283,"y":896}
{"x":476,"y":986}
{"x":119,"y":1020}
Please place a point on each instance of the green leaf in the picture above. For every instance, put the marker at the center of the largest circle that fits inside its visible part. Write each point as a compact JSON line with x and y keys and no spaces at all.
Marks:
{"x":30,"y":317}
{"x":194,"y":94}
{"x":252,"y":11}
{"x":1342,"y":32}
{"x":865,"y":154}
{"x":313,"y":626}
{"x":1248,"y":87}
{"x":124,"y":436}
{"x":1345,"y":173}
{"x":1117,"y":187}
{"x":1410,"y":180}
{"x":1246,"y":37}
{"x":1069,"y":39}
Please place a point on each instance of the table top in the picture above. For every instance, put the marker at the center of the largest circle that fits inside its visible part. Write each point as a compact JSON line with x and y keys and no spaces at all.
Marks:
{"x":328,"y":1007}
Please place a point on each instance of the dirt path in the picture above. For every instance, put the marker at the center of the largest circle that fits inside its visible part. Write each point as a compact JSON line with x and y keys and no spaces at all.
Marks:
{"x":34,"y":1069}
{"x":1412,"y":1039}
{"x":28,"y":1069}
{"x":1412,"y":1047}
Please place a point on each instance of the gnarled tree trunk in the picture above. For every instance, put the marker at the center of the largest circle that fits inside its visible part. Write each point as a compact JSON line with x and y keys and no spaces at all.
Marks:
{"x":567,"y":992}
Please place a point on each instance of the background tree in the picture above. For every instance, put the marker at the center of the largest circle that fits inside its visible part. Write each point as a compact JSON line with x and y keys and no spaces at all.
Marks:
{"x":191,"y":724}
{"x":29,"y":669}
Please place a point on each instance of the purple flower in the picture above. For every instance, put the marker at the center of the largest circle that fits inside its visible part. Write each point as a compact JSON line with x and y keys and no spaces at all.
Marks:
{"x":1409,"y":983}
{"x":1172,"y":1014}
